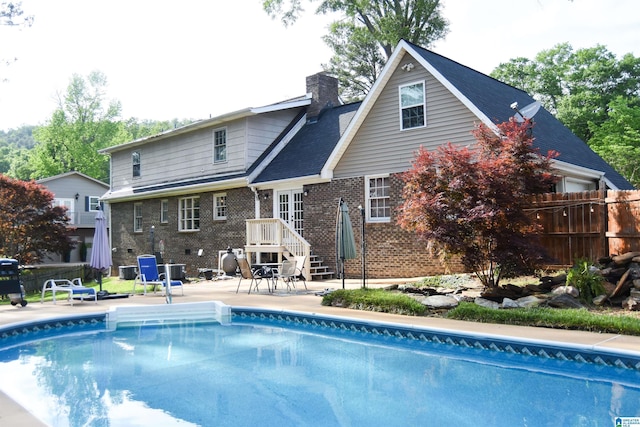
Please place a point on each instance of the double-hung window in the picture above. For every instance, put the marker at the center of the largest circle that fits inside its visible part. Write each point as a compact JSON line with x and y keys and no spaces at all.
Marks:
{"x":94,"y":203}
{"x":219,"y":145}
{"x":412,"y":106}
{"x":377,"y":195}
{"x":220,"y":206}
{"x":164,"y":211}
{"x":189,"y":214}
{"x":135,"y":160}
{"x":137,"y":217}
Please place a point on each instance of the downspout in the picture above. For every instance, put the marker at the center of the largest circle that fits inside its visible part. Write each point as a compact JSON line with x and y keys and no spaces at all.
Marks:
{"x":256,"y":203}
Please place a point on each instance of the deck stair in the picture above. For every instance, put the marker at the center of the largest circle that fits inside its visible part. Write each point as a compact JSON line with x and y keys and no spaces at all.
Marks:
{"x":319,"y":271}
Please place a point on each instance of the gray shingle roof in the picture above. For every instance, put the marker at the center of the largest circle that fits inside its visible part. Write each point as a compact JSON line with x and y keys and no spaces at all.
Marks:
{"x":308,"y":150}
{"x":494,"y":99}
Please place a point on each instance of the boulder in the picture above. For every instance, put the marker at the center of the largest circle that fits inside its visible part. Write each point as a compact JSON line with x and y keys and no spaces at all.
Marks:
{"x":440,"y":302}
{"x":529,"y":301}
{"x":571,"y":290}
{"x":631,"y":304}
{"x":599,"y":300}
{"x":564,"y":301}
{"x":487,"y":303}
{"x":509,"y":303}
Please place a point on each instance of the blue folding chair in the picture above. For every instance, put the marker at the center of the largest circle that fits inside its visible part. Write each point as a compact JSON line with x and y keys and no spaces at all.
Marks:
{"x":148,"y":276}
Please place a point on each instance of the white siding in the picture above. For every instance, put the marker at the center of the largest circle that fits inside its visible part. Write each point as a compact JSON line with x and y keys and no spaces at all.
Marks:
{"x":381,"y":147}
{"x":262,"y":130}
{"x":190,"y":155}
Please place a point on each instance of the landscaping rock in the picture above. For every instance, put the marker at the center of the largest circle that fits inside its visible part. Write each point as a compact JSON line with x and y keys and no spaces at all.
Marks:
{"x":483,"y":302}
{"x":631,"y":304}
{"x":440,"y":302}
{"x":570,"y":290}
{"x":564,"y":301}
{"x":509,"y":303}
{"x":529,"y":301}
{"x":600,"y":300}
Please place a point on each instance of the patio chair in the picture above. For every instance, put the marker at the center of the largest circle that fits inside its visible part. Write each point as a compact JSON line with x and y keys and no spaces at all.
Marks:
{"x":72,"y":288}
{"x":148,"y":276}
{"x":287,"y":272}
{"x":247,"y":273}
{"x":300,"y":270}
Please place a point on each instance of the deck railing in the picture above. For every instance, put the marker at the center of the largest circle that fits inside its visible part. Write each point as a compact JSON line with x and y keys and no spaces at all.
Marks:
{"x":265,"y":232}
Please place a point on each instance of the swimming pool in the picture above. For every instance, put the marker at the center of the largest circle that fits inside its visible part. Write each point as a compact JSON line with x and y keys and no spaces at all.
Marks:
{"x":275,"y":368}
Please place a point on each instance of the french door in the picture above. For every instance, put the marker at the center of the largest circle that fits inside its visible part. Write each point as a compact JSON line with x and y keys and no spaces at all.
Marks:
{"x":289,"y":208}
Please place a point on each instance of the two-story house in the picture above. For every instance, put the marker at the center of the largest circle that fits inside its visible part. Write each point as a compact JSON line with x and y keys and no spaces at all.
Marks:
{"x":269,"y":179}
{"x":80,"y":194}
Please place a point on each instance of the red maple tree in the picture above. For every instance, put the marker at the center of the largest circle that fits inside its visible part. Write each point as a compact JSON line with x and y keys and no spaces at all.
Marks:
{"x":471,"y":201}
{"x":29,"y":225}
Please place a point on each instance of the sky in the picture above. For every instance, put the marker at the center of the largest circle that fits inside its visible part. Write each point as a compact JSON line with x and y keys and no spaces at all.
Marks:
{"x":194,"y":59}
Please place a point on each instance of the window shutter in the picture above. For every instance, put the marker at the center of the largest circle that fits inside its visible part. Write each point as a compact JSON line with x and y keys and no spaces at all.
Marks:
{"x":86,"y":203}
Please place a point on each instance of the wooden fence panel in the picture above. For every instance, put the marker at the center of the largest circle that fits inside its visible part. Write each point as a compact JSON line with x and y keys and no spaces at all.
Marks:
{"x":623,"y":209}
{"x":572,"y":225}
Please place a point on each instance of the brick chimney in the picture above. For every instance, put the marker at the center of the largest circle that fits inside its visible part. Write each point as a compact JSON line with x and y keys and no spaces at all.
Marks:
{"x":324,"y":93}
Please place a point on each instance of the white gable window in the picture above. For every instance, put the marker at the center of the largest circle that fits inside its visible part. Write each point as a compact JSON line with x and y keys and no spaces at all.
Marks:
{"x":219,"y":145}
{"x":377,"y":196}
{"x":137,"y":217}
{"x":412,"y":106}
{"x":220,"y":206}
{"x":189,"y":214}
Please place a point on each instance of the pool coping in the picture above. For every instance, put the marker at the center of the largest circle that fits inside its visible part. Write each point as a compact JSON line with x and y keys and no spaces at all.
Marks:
{"x":566,"y":351}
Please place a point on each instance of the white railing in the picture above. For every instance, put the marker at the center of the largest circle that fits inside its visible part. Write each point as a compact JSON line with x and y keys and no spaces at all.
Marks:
{"x":276,"y":232}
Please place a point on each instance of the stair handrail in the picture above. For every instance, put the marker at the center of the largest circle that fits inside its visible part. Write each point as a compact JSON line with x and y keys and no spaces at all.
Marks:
{"x":275,"y":231}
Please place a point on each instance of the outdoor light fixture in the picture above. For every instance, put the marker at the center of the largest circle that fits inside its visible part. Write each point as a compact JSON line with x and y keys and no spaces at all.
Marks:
{"x":408,"y":66}
{"x":305,"y":191}
{"x":77,"y":196}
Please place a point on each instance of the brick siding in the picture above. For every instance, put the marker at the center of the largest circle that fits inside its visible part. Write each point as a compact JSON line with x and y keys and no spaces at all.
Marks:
{"x":181,"y":247}
{"x":390,"y":251}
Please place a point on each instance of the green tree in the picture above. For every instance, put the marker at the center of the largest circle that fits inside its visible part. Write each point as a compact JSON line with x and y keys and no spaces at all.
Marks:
{"x":29,"y":225}
{"x":576,"y":86}
{"x":82,"y":124}
{"x":471,"y":202}
{"x":617,"y":140}
{"x":362,"y":24}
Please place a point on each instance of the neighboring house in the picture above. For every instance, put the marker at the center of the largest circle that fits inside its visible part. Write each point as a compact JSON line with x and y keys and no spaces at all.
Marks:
{"x":269,"y":179}
{"x":80,"y":194}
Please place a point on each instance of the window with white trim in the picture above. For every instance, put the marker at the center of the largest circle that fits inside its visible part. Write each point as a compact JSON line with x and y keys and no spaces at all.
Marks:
{"x":412,"y":106}
{"x":135,"y":161}
{"x":164,"y":211}
{"x":189,"y":214}
{"x":220,"y":206}
{"x":377,"y":196}
{"x":220,"y":145}
{"x":94,"y":203}
{"x":137,"y":217}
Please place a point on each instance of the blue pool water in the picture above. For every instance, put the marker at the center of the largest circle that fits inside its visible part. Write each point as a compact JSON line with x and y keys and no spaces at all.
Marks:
{"x":283,"y":371}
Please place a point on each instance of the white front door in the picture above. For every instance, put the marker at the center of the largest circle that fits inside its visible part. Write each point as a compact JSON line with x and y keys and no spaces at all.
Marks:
{"x":289,"y":208}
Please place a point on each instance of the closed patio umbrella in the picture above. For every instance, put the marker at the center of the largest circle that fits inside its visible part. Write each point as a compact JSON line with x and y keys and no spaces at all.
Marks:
{"x":101,"y":250}
{"x":345,"y":242}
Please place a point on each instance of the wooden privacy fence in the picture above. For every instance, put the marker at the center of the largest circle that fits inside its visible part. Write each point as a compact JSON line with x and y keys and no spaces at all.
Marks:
{"x":589,"y":225}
